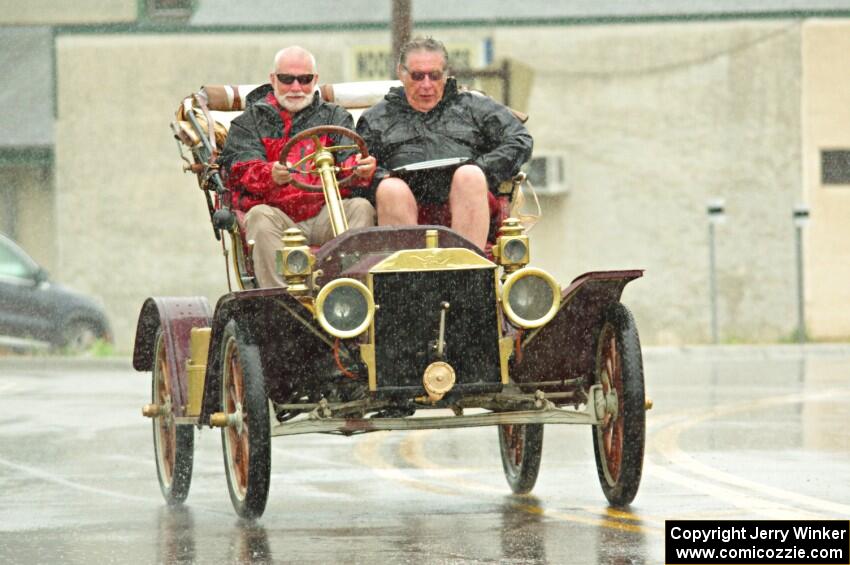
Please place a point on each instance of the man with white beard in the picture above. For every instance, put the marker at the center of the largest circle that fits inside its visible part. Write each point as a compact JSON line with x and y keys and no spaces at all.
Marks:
{"x":260,"y":184}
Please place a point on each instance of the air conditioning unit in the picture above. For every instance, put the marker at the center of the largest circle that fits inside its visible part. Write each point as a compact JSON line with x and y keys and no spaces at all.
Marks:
{"x":546,"y":173}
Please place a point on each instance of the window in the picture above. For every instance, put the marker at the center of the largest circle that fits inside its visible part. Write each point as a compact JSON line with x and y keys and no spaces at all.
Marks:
{"x":11,"y":265}
{"x":166,"y":9}
{"x":835,"y":166}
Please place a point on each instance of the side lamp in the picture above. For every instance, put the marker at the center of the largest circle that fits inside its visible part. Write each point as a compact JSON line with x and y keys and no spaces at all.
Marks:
{"x":512,"y":249}
{"x":295,"y":262}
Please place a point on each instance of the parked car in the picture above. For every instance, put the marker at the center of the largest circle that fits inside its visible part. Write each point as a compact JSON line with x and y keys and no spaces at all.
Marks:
{"x":35,"y":311}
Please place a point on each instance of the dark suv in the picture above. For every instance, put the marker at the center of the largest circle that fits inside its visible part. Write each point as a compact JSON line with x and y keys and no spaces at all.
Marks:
{"x":34,"y":311}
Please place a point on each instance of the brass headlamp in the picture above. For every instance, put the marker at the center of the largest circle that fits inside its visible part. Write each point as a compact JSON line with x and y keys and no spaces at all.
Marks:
{"x":295,"y":262}
{"x":512,"y":250}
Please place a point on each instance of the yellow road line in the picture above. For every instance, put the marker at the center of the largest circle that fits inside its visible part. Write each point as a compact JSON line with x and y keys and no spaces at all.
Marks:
{"x":623,"y":515}
{"x":733,"y":497}
{"x":411,"y":449}
{"x":666,"y":442}
{"x":368,"y":452}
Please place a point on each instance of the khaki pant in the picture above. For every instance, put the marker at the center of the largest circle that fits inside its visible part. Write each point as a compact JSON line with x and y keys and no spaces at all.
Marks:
{"x":266,"y":224}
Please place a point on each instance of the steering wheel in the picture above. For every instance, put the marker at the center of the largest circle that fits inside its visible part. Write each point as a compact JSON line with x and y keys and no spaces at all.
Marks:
{"x":314,"y":133}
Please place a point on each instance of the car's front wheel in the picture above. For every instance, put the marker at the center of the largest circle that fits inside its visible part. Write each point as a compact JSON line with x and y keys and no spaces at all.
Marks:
{"x":618,"y":442}
{"x":246,"y":440}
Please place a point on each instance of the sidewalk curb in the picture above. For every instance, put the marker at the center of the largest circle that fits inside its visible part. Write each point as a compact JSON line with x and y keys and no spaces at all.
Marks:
{"x":760,"y":351}
{"x":77,"y":363}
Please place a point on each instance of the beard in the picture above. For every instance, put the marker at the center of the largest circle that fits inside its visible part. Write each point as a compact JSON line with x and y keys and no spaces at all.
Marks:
{"x":294,"y":103}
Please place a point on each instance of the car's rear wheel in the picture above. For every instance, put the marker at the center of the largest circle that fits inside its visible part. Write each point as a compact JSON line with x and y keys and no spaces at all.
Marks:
{"x":246,"y":440}
{"x":521,"y":446}
{"x":174,"y":445}
{"x":79,"y":336}
{"x":618,"y":443}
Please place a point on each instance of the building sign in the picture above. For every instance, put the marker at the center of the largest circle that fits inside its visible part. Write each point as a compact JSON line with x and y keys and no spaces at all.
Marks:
{"x":375,"y":62}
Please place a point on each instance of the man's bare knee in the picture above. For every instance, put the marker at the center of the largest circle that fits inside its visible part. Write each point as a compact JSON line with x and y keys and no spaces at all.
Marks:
{"x":396,"y":204}
{"x":468,"y":202}
{"x":392,"y":189}
{"x":469,"y":176}
{"x":469,"y":185}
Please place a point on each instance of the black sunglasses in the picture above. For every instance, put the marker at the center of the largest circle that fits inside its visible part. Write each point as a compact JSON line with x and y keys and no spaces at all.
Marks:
{"x":289,"y":79}
{"x":420,"y":75}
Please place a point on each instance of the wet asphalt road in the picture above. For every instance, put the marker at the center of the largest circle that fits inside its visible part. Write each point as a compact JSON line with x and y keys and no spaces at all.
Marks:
{"x":735,"y":433}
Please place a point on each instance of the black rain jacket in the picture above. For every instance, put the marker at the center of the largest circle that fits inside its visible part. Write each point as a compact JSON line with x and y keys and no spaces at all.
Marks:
{"x":462,"y":124}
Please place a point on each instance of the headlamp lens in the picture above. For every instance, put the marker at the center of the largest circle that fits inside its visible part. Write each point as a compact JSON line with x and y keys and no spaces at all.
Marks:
{"x":345,"y":308}
{"x":531,"y":298}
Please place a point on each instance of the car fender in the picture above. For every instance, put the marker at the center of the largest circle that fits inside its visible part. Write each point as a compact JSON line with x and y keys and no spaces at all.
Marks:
{"x":176,"y":316}
{"x":565,"y":348}
{"x":294,"y":347}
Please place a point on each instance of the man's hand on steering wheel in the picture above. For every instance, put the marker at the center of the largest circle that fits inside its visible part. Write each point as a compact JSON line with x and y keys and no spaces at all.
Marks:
{"x":316,"y":133}
{"x":365,"y":166}
{"x":281,"y":174}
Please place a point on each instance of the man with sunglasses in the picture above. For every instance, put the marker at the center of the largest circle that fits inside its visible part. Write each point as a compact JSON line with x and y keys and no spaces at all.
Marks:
{"x":260,"y":184}
{"x":429,"y":118}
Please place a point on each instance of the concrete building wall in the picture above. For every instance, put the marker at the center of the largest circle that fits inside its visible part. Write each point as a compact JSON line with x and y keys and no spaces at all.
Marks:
{"x":36,"y":223}
{"x":26,"y":210}
{"x":53,"y":12}
{"x":826,"y":125}
{"x":654,"y":120}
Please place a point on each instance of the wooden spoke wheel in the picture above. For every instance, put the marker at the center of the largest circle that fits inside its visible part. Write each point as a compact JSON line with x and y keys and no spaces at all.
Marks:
{"x":521,"y":446}
{"x":174,"y":446}
{"x":246,"y":440}
{"x":618,"y":442}
{"x":314,"y":133}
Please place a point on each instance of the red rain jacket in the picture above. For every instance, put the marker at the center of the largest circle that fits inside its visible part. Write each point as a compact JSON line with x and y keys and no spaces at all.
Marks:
{"x":253,"y":145}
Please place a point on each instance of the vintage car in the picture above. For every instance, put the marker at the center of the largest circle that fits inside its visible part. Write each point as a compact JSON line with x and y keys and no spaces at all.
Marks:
{"x":381,"y":324}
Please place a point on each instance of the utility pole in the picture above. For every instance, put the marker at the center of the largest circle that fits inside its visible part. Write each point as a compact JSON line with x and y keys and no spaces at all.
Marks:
{"x":402,"y":24}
